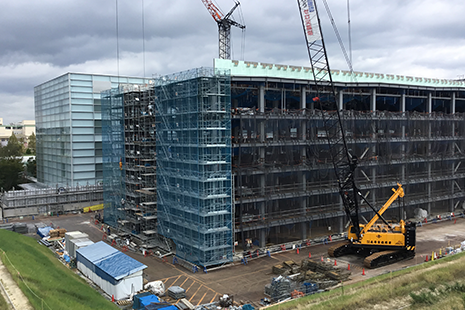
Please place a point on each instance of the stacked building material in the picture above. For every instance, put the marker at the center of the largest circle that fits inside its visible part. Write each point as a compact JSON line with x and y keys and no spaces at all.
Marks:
{"x":295,"y":268}
{"x":309,"y":288}
{"x":338,"y":275}
{"x":176,"y":292}
{"x":57,"y":233}
{"x":280,"y":288}
{"x":312,"y":276}
{"x":7,"y":227}
{"x":324,"y":284}
{"x":20,"y":228}
{"x":281,"y":270}
{"x":31,"y":228}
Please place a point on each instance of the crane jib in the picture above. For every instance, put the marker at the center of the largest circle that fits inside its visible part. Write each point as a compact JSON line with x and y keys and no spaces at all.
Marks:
{"x":309,"y":20}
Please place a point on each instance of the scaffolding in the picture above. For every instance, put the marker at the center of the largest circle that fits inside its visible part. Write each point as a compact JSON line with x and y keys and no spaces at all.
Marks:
{"x":129,"y":160}
{"x":194,"y":164}
{"x":246,"y":160}
{"x":50,"y":201}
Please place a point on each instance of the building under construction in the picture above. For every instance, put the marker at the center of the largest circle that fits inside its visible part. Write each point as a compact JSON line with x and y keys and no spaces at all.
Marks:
{"x":242,"y":155}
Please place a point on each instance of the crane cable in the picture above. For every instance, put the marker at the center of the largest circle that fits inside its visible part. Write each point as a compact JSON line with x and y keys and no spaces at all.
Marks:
{"x":349,"y":31}
{"x":341,"y":44}
{"x":241,"y":21}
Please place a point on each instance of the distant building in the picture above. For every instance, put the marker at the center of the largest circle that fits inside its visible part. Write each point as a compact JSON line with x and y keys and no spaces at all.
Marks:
{"x":21,"y":130}
{"x":69,"y":127}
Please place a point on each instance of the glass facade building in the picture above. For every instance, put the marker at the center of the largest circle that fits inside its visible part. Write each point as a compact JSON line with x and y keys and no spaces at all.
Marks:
{"x":69,"y":127}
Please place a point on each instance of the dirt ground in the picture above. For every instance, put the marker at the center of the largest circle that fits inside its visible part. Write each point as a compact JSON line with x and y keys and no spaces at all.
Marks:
{"x":246,"y":282}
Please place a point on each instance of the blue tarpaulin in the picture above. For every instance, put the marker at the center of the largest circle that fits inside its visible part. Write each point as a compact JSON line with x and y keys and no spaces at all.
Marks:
{"x":44,"y":231}
{"x":146,"y":300}
{"x":107,"y":262}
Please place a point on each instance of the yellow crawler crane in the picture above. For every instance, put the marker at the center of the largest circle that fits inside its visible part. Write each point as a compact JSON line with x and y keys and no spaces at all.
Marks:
{"x":384,"y":243}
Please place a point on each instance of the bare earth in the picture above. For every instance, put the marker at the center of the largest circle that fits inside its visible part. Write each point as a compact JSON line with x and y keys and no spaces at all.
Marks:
{"x":246,"y":282}
{"x":15,"y":294}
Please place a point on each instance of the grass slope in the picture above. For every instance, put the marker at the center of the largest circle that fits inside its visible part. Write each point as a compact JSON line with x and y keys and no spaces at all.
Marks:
{"x":47,"y":277}
{"x":439,"y":284}
{"x":3,"y":303}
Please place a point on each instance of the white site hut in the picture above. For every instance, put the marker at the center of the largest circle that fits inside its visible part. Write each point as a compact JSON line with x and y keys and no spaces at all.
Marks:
{"x":114,"y":272}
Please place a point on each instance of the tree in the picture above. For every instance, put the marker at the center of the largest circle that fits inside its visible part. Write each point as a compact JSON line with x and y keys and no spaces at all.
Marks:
{"x":10,"y":172}
{"x":13,"y":149}
{"x":31,"y":167}
{"x":32,"y":143}
{"x":11,"y":166}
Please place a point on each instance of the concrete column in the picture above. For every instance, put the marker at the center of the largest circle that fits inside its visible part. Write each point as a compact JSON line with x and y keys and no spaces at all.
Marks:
{"x":303,"y":225}
{"x":283,"y":100}
{"x":403,"y":173}
{"x":429,"y":103}
{"x":402,"y":146}
{"x":451,"y":204}
{"x":341,"y":223}
{"x":303,"y":123}
{"x":402,"y":103}
{"x":429,"y":188}
{"x":261,"y":99}
{"x":373,"y":100}
{"x":303,"y":206}
{"x":261,"y":123}
{"x":452,"y":104}
{"x":263,"y":214}
{"x":340,"y":103}
{"x":262,"y":237}
{"x":303,"y":99}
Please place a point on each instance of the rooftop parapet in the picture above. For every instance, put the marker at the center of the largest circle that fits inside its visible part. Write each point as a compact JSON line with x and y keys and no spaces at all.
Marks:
{"x":250,"y":68}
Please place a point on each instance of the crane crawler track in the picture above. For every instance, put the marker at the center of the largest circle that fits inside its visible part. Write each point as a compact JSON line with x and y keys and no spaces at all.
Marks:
{"x":383,"y":258}
{"x":340,"y":249}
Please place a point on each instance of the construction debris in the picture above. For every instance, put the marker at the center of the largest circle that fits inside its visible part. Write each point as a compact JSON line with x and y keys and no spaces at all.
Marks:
{"x":310,"y":277}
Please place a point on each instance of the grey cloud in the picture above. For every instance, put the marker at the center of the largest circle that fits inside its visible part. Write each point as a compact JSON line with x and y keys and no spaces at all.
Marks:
{"x":51,"y":37}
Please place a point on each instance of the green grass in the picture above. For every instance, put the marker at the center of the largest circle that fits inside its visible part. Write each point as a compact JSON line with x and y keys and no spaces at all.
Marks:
{"x":434,"y":285}
{"x":50,"y":281}
{"x":3,"y":303}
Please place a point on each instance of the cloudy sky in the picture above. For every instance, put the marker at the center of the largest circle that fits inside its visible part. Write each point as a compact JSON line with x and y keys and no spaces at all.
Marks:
{"x":40,"y":40}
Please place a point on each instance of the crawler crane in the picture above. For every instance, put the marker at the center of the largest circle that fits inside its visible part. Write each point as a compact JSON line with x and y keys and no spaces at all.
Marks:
{"x":382,"y":244}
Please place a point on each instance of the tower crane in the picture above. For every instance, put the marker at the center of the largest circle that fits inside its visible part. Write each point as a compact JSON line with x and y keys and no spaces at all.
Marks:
{"x":382,"y":244}
{"x":224,"y":27}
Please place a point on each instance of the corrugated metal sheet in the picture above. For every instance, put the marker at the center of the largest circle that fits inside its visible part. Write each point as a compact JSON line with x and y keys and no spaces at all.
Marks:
{"x":101,"y":257}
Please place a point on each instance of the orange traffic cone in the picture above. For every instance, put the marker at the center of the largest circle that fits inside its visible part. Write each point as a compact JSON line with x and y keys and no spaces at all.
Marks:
{"x":335,"y":263}
{"x":309,"y":255}
{"x":112,"y":298}
{"x":348,"y":266}
{"x":298,"y":251}
{"x":363,"y":271}
{"x":426,"y":258}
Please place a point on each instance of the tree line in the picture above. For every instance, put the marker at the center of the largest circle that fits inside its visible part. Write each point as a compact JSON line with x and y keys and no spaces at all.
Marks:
{"x":12,"y":169}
